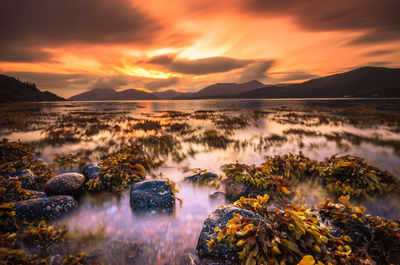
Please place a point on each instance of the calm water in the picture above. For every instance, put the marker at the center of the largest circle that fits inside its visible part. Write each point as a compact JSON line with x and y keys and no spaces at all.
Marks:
{"x":318,"y":128}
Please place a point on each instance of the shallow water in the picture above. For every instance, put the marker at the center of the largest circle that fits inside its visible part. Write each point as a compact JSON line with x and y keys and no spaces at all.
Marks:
{"x":365,"y":128}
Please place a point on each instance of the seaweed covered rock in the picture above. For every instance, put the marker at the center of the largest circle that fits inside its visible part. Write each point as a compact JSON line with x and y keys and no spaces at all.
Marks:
{"x":65,"y":184}
{"x":202,"y":178}
{"x":11,"y":191}
{"x":345,"y":175}
{"x":251,"y":181}
{"x":331,"y":234}
{"x":297,"y":168}
{"x":91,"y":171}
{"x":43,"y":208}
{"x":376,"y":236}
{"x":155,"y":196}
{"x":27,"y":178}
{"x":350,"y":175}
{"x":117,"y":171}
{"x":17,"y":158}
{"x":221,"y":251}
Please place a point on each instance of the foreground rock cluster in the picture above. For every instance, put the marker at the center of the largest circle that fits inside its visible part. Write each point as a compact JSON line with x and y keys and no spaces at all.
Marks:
{"x":261,"y":226}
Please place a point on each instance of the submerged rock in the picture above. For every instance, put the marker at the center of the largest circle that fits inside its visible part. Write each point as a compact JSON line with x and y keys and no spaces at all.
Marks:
{"x":65,"y":184}
{"x":27,"y":178}
{"x":152,"y":196}
{"x":218,"y":195}
{"x":44,"y":208}
{"x":219,"y":218}
{"x":91,"y":171}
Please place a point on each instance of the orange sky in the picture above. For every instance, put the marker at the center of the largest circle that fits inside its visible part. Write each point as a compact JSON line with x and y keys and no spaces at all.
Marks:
{"x":70,"y":46}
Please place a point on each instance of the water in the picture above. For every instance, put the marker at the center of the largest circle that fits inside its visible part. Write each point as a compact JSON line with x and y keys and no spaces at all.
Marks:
{"x":319,"y":128}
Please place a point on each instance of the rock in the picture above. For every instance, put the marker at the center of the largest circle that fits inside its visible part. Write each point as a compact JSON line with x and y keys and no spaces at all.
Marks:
{"x":202,"y":178}
{"x":44,"y":208}
{"x":27,"y":178}
{"x":219,"y":218}
{"x":152,"y":196}
{"x":218,"y":195}
{"x":65,"y":184}
{"x":234,"y":190}
{"x":91,"y":171}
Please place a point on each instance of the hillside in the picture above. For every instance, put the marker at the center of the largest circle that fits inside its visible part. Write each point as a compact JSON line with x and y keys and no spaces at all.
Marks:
{"x":13,"y":90}
{"x":111,"y":94}
{"x":224,"y":89}
{"x":361,"y":82}
{"x":170,"y":94}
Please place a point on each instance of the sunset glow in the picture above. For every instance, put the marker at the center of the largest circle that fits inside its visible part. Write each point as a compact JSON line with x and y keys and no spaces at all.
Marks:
{"x":71,"y":47}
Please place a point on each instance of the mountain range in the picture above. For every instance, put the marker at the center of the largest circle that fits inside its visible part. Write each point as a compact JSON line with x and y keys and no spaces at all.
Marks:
{"x":13,"y":90}
{"x":362,"y":82}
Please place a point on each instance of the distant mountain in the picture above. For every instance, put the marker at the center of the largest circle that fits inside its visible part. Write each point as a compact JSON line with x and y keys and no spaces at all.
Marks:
{"x":111,"y":94}
{"x":170,"y":94}
{"x":13,"y":90}
{"x":225,"y":89}
{"x":361,"y":82}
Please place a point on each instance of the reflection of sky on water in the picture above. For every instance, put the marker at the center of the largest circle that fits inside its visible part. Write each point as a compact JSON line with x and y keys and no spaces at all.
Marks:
{"x":171,"y":236}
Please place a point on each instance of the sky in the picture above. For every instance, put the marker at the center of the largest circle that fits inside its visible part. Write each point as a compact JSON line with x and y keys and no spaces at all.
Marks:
{"x":71,"y":46}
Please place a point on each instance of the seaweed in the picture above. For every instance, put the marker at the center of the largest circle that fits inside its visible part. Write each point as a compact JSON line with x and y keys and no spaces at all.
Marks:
{"x":124,"y":167}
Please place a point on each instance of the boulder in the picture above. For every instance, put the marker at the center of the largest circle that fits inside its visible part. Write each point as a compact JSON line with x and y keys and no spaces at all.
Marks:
{"x":65,"y":184}
{"x":27,"y":178}
{"x":154,"y":196}
{"x":202,"y":178}
{"x":44,"y":208}
{"x":219,"y":218}
{"x":91,"y":171}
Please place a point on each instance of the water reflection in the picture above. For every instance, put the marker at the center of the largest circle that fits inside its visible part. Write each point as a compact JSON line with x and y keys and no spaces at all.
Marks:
{"x":203,"y":134}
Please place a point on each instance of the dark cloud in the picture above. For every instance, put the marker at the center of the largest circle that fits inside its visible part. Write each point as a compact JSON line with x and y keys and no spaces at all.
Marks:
{"x":199,"y":66}
{"x":23,"y":54}
{"x":380,"y":18}
{"x":255,"y":71}
{"x":378,"y":53}
{"x":291,"y":76}
{"x":161,"y":83}
{"x":49,"y":23}
{"x":376,"y":37}
{"x":113,"y":82}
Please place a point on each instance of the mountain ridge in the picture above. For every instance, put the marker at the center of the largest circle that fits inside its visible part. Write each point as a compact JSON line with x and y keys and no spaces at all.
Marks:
{"x":14,"y":90}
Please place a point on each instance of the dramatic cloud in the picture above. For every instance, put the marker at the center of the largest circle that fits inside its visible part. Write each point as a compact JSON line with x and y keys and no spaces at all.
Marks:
{"x":290,"y":76}
{"x":380,"y":18}
{"x":113,"y":82}
{"x":379,"y":53}
{"x":53,"y":23}
{"x":161,"y":83}
{"x":199,"y":66}
{"x":255,"y":71}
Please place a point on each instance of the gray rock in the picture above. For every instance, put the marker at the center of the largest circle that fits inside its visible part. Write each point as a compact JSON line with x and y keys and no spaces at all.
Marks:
{"x":27,"y":178}
{"x":91,"y":171}
{"x":65,"y":184}
{"x":218,"y":195}
{"x":44,"y":208}
{"x":219,"y":218}
{"x":154,"y":196}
